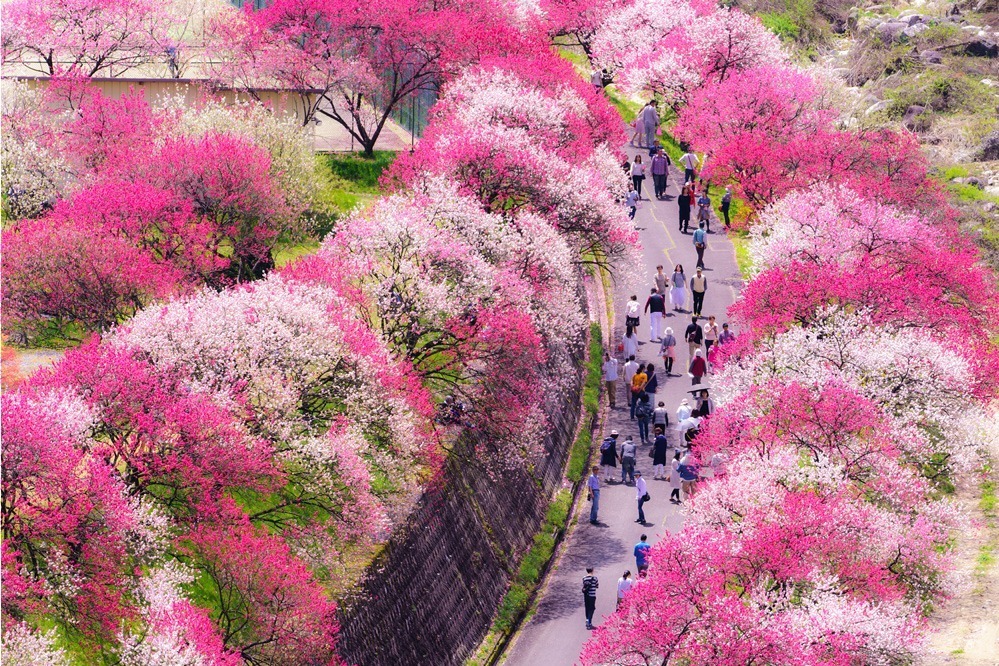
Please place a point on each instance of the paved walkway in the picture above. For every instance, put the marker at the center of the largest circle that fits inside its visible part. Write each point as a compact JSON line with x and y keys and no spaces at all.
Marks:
{"x":555,"y":634}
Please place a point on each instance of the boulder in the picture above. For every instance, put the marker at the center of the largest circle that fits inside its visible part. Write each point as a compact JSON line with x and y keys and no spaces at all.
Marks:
{"x":915,"y":29}
{"x":877,"y":106}
{"x":931,"y":57}
{"x":982,"y":48}
{"x":988,"y":149}
{"x":912,"y":19}
{"x":891,"y":31}
{"x":916,"y":119}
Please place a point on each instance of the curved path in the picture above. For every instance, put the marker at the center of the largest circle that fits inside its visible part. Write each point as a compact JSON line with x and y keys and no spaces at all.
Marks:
{"x":556,"y":632}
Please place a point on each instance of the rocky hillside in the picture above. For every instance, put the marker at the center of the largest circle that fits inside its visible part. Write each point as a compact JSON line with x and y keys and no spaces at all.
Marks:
{"x":931,"y":66}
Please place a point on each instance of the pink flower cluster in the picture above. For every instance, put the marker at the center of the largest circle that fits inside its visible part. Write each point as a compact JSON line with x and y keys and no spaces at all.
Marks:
{"x":143,"y":209}
{"x":854,"y":394}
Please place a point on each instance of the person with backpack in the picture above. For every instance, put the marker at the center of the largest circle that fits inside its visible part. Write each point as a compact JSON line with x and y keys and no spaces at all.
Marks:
{"x":608,"y":455}
{"x":694,"y":335}
{"x":590,"y":585}
{"x":628,"y":452}
{"x":700,"y":243}
{"x":643,"y":412}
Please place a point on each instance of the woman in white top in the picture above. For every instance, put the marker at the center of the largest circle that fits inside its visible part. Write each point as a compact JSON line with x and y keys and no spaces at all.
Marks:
{"x":678,"y":288}
{"x":638,"y":174}
{"x":674,"y":479}
{"x":710,"y":335}
{"x":631,"y":309}
{"x":624,"y":584}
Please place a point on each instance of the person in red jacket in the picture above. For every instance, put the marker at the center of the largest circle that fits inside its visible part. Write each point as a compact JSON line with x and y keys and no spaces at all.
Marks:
{"x":698,"y":368}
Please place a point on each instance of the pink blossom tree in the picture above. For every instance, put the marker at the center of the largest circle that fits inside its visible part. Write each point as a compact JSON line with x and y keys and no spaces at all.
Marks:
{"x":356,"y":63}
{"x":78,"y":38}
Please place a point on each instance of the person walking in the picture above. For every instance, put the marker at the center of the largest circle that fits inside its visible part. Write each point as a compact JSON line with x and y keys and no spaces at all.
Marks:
{"x":683,"y":204}
{"x":660,"y":448}
{"x":593,"y":493}
{"x":628,"y":451}
{"x":682,"y":413}
{"x":704,"y":211}
{"x":631,"y":201}
{"x":644,"y":412}
{"x":651,"y":381}
{"x":639,"y":127}
{"x":694,"y":336}
{"x":590,"y":585}
{"x":624,"y":584}
{"x":678,"y":288}
{"x":641,"y":552}
{"x":608,"y":456}
{"x":655,"y":305}
{"x":674,"y":478}
{"x":660,"y":172}
{"x":650,"y":118}
{"x":688,"y":474}
{"x":638,"y":175}
{"x":689,"y":162}
{"x":700,"y":243}
{"x":698,"y":287}
{"x":698,"y":368}
{"x":630,"y":343}
{"x":631,"y":319}
{"x":609,"y":369}
{"x":710,"y":335}
{"x":660,"y":418}
{"x":726,"y":203}
{"x":667,"y":349}
{"x":629,"y":371}
{"x":661,"y":280}
{"x":641,"y":496}
{"x":637,"y":388}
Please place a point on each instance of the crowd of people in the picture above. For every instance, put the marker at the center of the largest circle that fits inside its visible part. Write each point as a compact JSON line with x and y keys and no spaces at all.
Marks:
{"x":668,"y":432}
{"x":670,"y":442}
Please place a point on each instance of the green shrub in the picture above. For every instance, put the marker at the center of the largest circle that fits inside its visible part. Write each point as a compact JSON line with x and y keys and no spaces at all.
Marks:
{"x":360,"y":169}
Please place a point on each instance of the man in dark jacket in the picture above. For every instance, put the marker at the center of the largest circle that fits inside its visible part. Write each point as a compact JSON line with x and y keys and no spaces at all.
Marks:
{"x":694,"y":335}
{"x":655,"y":305}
